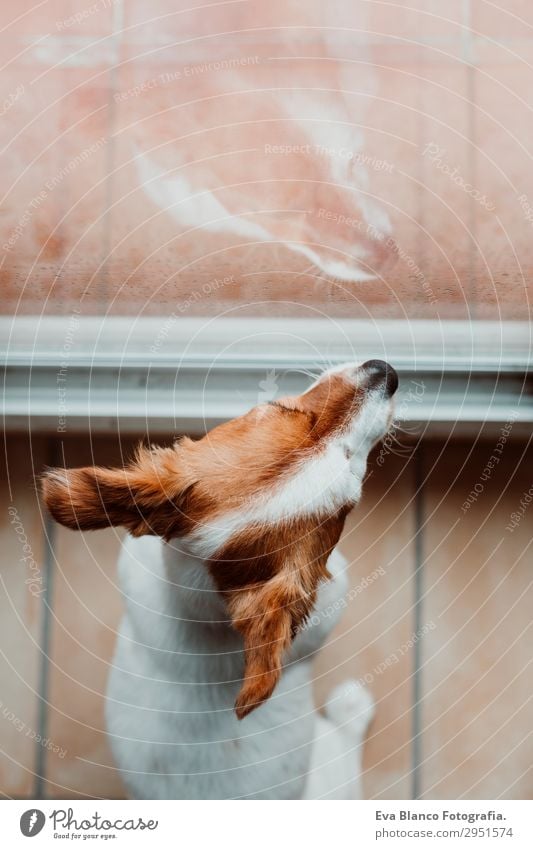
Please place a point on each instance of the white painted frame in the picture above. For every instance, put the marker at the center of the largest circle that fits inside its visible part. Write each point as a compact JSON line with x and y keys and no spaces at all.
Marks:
{"x":172,"y":374}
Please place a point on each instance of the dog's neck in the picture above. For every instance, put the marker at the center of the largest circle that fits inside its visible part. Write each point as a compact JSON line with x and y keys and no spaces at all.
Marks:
{"x":175,"y":613}
{"x":196,"y":596}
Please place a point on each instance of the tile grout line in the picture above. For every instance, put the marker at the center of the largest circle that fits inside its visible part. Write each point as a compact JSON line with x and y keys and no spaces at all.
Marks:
{"x":469,"y":59}
{"x":417,"y":652}
{"x":117,"y":29}
{"x":42,"y":719}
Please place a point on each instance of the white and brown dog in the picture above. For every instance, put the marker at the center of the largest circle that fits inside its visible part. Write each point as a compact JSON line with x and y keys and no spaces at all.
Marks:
{"x":230,"y":550}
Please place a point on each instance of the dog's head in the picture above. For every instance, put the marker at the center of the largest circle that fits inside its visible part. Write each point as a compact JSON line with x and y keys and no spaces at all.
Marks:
{"x":262,"y":499}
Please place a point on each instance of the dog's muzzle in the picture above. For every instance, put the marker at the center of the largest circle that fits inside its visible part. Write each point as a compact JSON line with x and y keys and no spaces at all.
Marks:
{"x":381,"y":375}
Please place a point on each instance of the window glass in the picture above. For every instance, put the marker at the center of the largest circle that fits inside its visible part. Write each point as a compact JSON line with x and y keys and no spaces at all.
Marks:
{"x":342,"y":159}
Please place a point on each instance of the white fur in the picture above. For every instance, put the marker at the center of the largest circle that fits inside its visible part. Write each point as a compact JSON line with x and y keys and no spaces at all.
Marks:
{"x":179,"y":663}
{"x":324,"y":483}
{"x":176,"y":672}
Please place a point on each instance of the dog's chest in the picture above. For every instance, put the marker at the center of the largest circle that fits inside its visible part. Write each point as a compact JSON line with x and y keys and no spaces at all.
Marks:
{"x":175,"y":677}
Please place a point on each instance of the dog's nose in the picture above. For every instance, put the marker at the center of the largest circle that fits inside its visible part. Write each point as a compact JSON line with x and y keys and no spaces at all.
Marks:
{"x":379,"y":374}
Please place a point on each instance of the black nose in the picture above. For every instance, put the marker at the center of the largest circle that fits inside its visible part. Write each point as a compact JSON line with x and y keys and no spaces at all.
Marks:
{"x":379,"y":374}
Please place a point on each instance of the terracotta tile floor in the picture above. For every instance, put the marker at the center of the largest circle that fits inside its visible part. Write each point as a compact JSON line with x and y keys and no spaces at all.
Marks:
{"x":439,"y":627}
{"x":134,"y":172}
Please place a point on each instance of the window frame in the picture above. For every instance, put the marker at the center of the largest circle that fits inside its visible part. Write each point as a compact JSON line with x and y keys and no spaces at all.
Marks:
{"x":77,"y":373}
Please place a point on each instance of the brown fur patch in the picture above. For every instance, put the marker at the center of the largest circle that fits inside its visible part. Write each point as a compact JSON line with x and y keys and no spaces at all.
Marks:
{"x":333,"y":403}
{"x":269,"y":575}
{"x":170,"y":492}
{"x":144,"y":497}
{"x":270,"y":578}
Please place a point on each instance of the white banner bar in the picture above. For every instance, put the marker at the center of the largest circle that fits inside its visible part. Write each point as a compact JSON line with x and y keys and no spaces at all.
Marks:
{"x":234,"y":825}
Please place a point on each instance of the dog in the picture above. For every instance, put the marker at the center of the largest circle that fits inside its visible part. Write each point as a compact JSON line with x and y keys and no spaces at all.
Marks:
{"x":226,"y":573}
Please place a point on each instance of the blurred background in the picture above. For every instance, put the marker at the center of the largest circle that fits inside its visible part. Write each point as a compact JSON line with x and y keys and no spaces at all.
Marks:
{"x":149,"y":151}
{"x":199,"y":201}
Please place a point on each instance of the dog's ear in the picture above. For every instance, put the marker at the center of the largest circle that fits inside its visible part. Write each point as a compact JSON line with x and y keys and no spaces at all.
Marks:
{"x":268,"y":618}
{"x":270,"y":580}
{"x":145,"y":496}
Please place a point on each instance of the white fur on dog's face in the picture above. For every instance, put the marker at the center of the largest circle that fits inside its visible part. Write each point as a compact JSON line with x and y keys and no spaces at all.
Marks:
{"x":372,"y":419}
{"x":261,"y":499}
{"x":323,"y":480}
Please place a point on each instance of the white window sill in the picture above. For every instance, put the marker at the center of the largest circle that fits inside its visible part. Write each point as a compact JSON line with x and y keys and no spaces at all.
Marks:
{"x":169,"y":375}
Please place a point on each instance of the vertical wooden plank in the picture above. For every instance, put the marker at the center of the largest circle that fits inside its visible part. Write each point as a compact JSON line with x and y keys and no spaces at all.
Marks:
{"x":477,"y":676}
{"x":372,"y":641}
{"x":22,"y":582}
{"x":85,"y":613}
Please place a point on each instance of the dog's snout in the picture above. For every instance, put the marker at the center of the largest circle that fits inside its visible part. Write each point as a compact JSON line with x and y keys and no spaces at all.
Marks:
{"x":379,"y":374}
